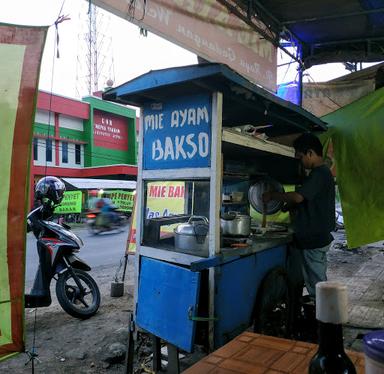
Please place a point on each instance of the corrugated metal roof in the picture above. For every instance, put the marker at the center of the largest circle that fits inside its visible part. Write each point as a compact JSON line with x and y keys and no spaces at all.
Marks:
{"x":243,"y":101}
{"x":328,"y":30}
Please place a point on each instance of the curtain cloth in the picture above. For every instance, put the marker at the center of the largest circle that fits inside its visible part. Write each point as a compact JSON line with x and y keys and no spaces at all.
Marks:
{"x":357,"y":134}
{"x":21,"y":52}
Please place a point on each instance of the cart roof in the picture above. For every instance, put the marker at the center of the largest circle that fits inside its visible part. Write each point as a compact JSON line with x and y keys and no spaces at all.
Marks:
{"x":243,"y":101}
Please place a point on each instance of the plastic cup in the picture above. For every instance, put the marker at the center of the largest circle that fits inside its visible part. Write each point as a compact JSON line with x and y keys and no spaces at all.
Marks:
{"x":374,"y":352}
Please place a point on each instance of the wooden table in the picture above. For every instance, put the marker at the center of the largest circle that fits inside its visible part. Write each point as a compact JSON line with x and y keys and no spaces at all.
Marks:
{"x":260,"y":354}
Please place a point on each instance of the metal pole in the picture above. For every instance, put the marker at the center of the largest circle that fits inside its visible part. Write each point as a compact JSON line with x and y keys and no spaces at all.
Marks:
{"x":300,"y":82}
{"x":130,"y":347}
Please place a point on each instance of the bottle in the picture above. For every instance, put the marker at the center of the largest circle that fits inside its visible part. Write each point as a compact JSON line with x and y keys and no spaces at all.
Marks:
{"x":331,"y":313}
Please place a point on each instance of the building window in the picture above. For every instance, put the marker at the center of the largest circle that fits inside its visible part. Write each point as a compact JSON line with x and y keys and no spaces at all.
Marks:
{"x":35,"y":149}
{"x":48,"y":150}
{"x":77,"y":154}
{"x":64,"y":152}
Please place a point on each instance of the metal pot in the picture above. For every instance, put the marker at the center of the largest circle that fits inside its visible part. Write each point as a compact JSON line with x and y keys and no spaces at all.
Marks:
{"x":235,"y":224}
{"x":193,"y":235}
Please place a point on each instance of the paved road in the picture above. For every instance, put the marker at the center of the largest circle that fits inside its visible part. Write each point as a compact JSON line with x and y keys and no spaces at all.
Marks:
{"x":103,"y":249}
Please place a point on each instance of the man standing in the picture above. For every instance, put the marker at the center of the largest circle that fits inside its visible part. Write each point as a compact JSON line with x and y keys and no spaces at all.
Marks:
{"x":313,"y":211}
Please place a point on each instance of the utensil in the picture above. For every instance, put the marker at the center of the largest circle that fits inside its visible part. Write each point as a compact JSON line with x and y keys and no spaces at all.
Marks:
{"x":255,"y":194}
{"x":226,"y":198}
{"x":264,"y":220}
{"x":239,"y":245}
{"x":237,"y":196}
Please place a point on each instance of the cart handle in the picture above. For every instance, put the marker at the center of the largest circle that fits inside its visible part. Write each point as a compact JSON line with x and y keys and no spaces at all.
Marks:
{"x":203,"y":319}
{"x":198,"y":218}
{"x":199,"y":319}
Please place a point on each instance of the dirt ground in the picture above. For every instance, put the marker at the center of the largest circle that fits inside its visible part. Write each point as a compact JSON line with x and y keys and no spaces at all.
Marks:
{"x":97,"y":345}
{"x":68,"y":345}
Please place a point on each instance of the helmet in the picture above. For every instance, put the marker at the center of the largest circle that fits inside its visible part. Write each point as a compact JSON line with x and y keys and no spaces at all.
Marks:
{"x":51,"y":188}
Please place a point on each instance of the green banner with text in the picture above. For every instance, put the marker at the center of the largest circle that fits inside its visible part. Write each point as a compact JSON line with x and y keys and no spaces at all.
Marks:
{"x":72,"y":203}
{"x":122,"y":199}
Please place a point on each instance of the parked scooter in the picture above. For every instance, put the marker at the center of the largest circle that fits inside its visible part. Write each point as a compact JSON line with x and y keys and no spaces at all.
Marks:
{"x":76,"y":291}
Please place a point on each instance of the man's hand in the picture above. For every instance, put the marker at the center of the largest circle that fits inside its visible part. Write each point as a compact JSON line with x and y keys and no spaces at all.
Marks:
{"x":267,"y":197}
{"x":286,"y":208}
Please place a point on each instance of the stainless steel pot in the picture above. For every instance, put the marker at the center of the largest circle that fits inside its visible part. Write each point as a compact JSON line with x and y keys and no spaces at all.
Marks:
{"x":193,"y":235}
{"x":235,"y":224}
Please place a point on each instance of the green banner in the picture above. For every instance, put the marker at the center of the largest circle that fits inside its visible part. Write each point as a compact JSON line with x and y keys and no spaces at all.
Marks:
{"x":13,"y":63}
{"x":72,"y":203}
{"x":357,"y":133}
{"x":122,"y":199}
{"x":21,"y":51}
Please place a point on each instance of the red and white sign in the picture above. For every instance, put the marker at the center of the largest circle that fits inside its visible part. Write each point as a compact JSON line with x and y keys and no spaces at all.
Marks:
{"x":110,"y":131}
{"x":208,"y":29}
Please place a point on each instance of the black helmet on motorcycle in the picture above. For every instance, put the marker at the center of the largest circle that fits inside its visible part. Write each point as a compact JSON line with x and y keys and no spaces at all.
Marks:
{"x":51,"y":188}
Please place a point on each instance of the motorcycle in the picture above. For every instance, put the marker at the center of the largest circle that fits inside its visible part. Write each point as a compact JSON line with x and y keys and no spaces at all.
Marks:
{"x":98,"y":221}
{"x":76,"y":291}
{"x":339,"y":218}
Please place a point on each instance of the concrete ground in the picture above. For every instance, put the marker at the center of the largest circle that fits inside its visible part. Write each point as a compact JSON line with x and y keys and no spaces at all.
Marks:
{"x":67,"y":345}
{"x":362,"y":270}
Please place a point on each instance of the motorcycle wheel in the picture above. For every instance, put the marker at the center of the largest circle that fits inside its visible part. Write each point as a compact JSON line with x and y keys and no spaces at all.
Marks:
{"x":72,"y":300}
{"x":272,"y":313}
{"x":93,"y":230}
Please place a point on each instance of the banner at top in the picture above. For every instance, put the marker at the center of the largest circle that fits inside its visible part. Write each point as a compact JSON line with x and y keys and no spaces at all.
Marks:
{"x":20,"y":50}
{"x":208,"y":29}
{"x":177,"y":133}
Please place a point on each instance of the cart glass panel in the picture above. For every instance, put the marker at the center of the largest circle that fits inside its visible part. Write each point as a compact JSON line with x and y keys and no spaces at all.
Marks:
{"x":172,"y":208}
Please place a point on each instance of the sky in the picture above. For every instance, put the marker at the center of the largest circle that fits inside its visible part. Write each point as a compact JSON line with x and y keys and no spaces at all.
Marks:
{"x":131,"y":53}
{"x":125,"y":52}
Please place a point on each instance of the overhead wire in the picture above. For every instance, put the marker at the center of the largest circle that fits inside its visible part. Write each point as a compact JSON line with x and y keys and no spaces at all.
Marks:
{"x":33,"y":355}
{"x":310,"y":77}
{"x":327,"y":96}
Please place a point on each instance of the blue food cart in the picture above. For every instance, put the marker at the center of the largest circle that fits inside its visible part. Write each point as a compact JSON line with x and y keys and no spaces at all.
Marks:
{"x":192,"y":284}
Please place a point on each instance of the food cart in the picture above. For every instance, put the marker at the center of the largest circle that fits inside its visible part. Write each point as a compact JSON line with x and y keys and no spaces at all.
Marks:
{"x":193,"y":284}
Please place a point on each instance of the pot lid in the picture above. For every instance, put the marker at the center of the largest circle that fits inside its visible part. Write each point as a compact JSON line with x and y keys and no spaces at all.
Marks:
{"x":231,"y":215}
{"x":256,"y":191}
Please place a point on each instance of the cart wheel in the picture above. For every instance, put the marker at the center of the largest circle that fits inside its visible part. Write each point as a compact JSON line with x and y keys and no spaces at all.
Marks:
{"x":272,"y":314}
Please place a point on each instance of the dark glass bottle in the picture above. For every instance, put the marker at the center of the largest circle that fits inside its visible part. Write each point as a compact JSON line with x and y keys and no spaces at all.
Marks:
{"x":331,"y":357}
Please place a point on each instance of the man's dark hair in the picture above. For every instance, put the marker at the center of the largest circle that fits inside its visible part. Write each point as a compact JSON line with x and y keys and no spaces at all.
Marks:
{"x":308,"y":141}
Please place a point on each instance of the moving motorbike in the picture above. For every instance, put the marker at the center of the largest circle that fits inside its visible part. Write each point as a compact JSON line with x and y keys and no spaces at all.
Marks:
{"x":99,"y":221}
{"x":76,"y":291}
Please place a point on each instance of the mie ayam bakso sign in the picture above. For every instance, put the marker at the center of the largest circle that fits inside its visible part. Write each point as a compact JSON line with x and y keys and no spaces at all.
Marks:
{"x":177,"y":133}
